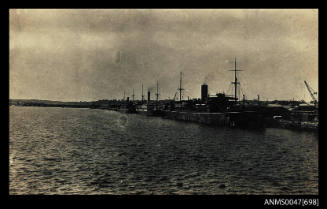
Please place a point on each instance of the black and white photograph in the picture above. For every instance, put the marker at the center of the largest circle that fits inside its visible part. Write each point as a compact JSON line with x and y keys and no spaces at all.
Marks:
{"x":163,"y":102}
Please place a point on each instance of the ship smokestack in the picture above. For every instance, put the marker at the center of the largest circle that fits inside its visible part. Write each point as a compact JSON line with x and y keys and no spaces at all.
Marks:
{"x":148,"y":96}
{"x":204,"y":92}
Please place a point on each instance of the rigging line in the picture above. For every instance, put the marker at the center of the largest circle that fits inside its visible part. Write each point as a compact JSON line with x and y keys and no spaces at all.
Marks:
{"x":231,"y":89}
{"x":241,"y":90}
{"x":239,"y":94}
{"x":228,"y":91}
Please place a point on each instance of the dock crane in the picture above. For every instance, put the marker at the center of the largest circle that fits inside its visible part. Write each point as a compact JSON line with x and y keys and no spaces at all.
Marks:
{"x":312,"y":93}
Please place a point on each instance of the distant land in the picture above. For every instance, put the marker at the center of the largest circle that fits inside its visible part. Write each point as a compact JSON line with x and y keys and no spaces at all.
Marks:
{"x":48,"y":103}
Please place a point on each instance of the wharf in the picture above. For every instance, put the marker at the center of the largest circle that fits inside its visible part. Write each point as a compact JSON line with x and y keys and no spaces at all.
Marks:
{"x":249,"y":119}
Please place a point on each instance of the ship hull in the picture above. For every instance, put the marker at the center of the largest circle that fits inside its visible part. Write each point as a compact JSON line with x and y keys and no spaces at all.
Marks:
{"x":230,"y":119}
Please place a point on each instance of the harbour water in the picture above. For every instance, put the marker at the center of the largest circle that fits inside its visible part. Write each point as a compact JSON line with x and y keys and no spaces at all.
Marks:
{"x":55,"y":150}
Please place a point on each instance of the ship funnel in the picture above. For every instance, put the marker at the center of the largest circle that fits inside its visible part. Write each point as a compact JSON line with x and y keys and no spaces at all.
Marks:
{"x":204,"y":92}
{"x":148,"y":96}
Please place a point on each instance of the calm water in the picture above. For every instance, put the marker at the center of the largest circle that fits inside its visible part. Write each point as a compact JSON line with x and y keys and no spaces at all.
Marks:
{"x":88,"y":151}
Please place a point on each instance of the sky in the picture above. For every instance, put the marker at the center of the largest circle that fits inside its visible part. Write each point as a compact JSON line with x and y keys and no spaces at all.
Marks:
{"x":92,"y":54}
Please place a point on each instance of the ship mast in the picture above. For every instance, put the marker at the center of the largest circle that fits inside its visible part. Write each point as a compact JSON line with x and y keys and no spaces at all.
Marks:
{"x":235,"y":81}
{"x":133,"y":95}
{"x":142,"y":94}
{"x":180,"y":89}
{"x":157,"y":94}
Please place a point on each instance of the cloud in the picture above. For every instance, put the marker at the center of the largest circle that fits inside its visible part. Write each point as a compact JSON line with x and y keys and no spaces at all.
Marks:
{"x":72,"y":54}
